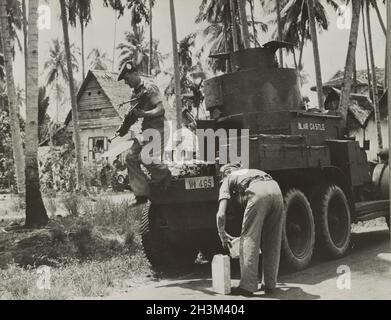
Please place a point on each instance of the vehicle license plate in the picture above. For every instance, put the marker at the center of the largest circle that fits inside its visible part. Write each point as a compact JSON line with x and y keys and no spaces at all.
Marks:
{"x":199,"y":183}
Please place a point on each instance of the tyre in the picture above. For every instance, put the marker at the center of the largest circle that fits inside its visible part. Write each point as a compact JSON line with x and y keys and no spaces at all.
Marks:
{"x":298,"y":237}
{"x":162,"y":247}
{"x":115,"y":185}
{"x":152,"y":237}
{"x":121,"y":179}
{"x":332,"y":221}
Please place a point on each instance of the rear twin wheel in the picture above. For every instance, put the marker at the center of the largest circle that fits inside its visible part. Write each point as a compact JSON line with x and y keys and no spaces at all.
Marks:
{"x":332,"y":221}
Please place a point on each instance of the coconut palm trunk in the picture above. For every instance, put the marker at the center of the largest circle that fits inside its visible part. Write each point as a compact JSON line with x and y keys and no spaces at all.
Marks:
{"x":25,"y":42}
{"x":83,"y":69}
{"x":243,"y":24}
{"x":375,"y":97}
{"x":366,"y":48}
{"x":279,"y":26}
{"x":349,"y":65}
{"x":75,"y":116}
{"x":255,"y":33}
{"x":389,"y":91}
{"x":150,"y":39}
{"x":17,"y":145}
{"x":36,"y":215}
{"x":379,"y":17}
{"x":315,"y":46}
{"x":178,"y":97}
{"x":234,"y":29}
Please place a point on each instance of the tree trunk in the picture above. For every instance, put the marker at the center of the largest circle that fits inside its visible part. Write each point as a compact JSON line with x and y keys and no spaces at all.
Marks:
{"x":380,"y":17}
{"x":280,"y":31}
{"x":366,"y":50}
{"x":375,"y":98}
{"x":389,"y":91}
{"x":150,"y":39}
{"x":114,"y":40}
{"x":348,"y":76}
{"x":178,"y":96}
{"x":302,"y":42}
{"x":17,"y":145}
{"x":228,"y":44}
{"x":25,"y":44}
{"x":36,"y":215}
{"x":234,"y":29}
{"x":243,"y":24}
{"x":315,"y":46}
{"x":255,"y":33}
{"x":83,"y":66}
{"x":301,"y":51}
{"x":354,"y":88}
{"x":75,"y":115}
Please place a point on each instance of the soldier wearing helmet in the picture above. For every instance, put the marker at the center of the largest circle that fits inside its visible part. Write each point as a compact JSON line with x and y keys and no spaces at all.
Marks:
{"x":150,"y":108}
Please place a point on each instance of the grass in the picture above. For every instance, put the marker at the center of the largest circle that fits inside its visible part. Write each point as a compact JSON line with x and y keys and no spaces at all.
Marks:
{"x":75,"y":280}
{"x":94,"y":248}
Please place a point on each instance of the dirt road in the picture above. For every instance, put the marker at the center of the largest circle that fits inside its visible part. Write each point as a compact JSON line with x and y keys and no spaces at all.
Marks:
{"x":369,"y":262}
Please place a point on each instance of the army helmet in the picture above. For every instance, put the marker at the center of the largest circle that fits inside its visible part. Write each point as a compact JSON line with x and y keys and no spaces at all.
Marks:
{"x":127,"y":68}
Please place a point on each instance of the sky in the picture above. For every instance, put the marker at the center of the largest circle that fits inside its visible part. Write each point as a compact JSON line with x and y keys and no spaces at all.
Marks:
{"x":99,"y":34}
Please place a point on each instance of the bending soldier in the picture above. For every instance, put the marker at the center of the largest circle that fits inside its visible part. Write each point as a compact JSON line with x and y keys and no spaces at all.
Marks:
{"x":261,"y":198}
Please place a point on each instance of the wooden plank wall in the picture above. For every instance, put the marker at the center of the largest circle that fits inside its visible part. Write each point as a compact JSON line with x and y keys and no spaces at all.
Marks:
{"x":93,"y":104}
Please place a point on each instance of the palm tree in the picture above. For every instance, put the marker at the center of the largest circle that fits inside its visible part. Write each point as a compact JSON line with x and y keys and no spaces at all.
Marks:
{"x":221,"y":33}
{"x":295,"y":20}
{"x":80,"y":10}
{"x":135,"y":48}
{"x":98,"y":60}
{"x":279,"y":27}
{"x":244,"y":24}
{"x":24,"y":12}
{"x":375,"y":97}
{"x":315,"y":46}
{"x":43,"y":117}
{"x":348,"y":77}
{"x":36,"y":215}
{"x":6,"y":47}
{"x":57,"y":72}
{"x":56,"y":65}
{"x":388,"y":53}
{"x":151,"y":42}
{"x":178,"y":98}
{"x":374,"y":4}
{"x":75,"y":116}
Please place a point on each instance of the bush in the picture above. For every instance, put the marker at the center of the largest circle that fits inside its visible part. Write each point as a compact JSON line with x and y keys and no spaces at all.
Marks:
{"x":73,"y":204}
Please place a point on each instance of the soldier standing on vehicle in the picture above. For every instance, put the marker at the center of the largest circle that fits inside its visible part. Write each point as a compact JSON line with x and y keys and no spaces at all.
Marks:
{"x":150,"y":108}
{"x":261,"y":199}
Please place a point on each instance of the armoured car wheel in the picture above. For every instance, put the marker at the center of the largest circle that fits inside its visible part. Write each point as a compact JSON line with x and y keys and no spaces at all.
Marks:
{"x":299,"y":231}
{"x":332,"y":221}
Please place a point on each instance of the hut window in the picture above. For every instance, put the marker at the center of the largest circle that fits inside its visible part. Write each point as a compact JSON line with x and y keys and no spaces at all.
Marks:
{"x":96,"y":147}
{"x":99,"y":93}
{"x":89,"y":94}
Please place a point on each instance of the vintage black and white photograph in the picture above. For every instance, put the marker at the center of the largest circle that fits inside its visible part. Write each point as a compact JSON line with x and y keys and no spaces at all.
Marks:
{"x":195,"y":150}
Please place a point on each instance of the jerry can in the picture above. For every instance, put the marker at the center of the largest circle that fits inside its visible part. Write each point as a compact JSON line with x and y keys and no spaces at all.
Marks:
{"x":221,"y":274}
